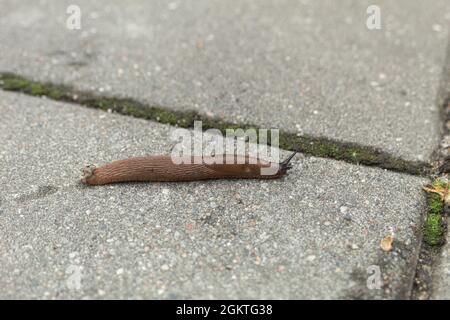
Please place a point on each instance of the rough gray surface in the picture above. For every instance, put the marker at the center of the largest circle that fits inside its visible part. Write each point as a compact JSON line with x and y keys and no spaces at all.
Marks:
{"x":441,"y":274}
{"x":310,"y":235}
{"x":308,"y":66}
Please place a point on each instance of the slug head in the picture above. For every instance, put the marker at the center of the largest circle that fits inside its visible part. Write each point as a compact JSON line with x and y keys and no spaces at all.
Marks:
{"x":285,"y":165}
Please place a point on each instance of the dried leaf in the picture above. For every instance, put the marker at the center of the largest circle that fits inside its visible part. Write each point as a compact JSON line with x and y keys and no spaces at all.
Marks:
{"x":441,"y":190}
{"x":386,"y":243}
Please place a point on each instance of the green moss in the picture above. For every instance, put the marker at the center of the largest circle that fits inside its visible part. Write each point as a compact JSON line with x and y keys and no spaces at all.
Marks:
{"x":315,"y":146}
{"x":56,"y":94}
{"x":435,"y":205}
{"x":434,"y":226}
{"x":37,"y":89}
{"x":14,"y":84}
{"x":440,"y":184}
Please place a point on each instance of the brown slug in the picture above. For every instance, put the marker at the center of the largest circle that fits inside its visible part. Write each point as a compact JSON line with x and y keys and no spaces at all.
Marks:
{"x":162,"y":168}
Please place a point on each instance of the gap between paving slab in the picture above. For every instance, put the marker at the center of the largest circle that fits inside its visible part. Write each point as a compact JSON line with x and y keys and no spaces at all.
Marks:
{"x":431,"y":268}
{"x":440,"y":273}
{"x":310,"y":235}
{"x":315,"y":146}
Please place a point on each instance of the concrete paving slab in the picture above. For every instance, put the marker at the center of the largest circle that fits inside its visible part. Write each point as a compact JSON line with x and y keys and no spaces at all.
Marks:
{"x":311,"y":67}
{"x":313,"y":234}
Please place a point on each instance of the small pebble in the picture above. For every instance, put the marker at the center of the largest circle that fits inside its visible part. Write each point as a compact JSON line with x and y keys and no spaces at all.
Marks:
{"x":437,"y":27}
{"x":165,"y":267}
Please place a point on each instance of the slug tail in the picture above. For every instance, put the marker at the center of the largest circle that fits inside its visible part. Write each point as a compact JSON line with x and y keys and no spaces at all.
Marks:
{"x":88,"y":174}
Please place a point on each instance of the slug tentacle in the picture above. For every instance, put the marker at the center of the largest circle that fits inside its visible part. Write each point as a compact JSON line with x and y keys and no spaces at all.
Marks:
{"x":284,"y":165}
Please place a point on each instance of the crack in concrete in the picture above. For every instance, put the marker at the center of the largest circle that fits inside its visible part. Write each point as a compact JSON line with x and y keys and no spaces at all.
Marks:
{"x":428,"y":254}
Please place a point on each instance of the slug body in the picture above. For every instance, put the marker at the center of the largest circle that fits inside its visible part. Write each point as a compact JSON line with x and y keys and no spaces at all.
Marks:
{"x":162,"y":168}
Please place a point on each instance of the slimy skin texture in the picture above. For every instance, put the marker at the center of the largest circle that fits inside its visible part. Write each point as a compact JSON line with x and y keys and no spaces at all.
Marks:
{"x":162,"y":168}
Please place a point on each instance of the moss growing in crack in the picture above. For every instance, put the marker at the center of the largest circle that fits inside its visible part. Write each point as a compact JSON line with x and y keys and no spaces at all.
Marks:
{"x":315,"y":146}
{"x":37,"y":89}
{"x":432,"y":232}
{"x":13,"y":82}
{"x":434,"y":226}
